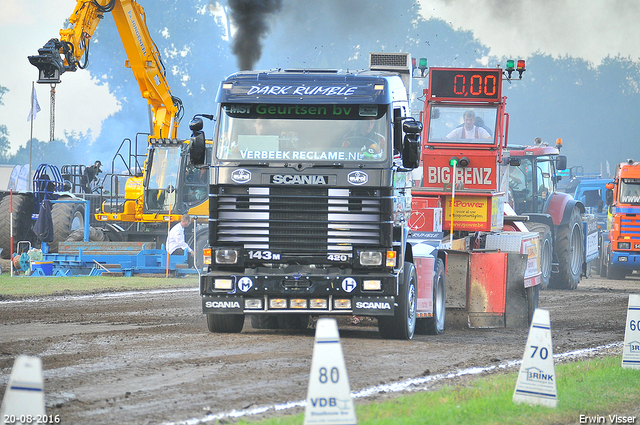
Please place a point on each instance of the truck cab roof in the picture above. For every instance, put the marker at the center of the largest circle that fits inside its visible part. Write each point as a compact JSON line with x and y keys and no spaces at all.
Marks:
{"x":312,"y":86}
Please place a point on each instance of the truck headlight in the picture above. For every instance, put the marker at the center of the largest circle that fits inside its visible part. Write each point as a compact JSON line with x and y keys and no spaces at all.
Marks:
{"x":371,"y":258}
{"x":624,"y":245}
{"x":226,"y":256}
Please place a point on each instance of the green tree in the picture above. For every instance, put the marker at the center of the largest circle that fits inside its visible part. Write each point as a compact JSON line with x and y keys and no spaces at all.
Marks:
{"x":4,"y":132}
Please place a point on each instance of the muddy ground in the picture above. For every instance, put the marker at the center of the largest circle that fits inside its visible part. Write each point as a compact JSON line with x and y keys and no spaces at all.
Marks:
{"x":147,"y":358}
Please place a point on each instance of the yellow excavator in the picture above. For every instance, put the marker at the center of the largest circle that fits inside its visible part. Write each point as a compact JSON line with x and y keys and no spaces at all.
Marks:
{"x":166,"y":185}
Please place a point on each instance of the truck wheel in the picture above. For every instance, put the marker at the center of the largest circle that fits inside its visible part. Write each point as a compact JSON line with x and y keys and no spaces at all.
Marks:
{"x":546,"y":251}
{"x":225,"y":323}
{"x":403,"y":324}
{"x":293,"y":321}
{"x":613,"y":272}
{"x":569,"y":252}
{"x":604,"y":259}
{"x":435,"y":325}
{"x":533,"y":295}
{"x":264,"y":321}
{"x":66,"y":218}
{"x":22,"y":208}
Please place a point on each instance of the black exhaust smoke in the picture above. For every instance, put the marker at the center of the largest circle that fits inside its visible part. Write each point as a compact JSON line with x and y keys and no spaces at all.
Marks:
{"x":250,"y":16}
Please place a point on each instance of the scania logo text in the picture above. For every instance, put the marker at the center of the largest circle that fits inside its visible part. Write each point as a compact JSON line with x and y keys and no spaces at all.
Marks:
{"x":373,"y":305}
{"x":222,"y":304}
{"x":298,"y":179}
{"x":357,"y":178}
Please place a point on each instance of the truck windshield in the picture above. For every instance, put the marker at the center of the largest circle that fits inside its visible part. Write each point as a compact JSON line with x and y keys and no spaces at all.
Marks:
{"x":630,"y":191}
{"x":318,"y":133}
{"x":462,"y":124}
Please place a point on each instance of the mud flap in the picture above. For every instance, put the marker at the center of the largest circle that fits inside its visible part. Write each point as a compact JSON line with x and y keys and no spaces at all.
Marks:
{"x":457,"y":270}
{"x":517,"y":306}
{"x":486,"y":290}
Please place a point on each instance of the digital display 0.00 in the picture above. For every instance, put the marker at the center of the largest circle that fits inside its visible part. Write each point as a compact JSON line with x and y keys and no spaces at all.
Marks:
{"x":471,"y":84}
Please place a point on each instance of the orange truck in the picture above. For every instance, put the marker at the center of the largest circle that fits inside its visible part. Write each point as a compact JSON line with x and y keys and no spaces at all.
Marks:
{"x":621,"y":253}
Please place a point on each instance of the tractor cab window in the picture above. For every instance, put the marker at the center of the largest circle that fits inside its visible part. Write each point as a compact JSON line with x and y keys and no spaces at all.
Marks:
{"x":316,"y":133}
{"x":544,"y":183}
{"x":163,"y":178}
{"x":520,"y":186}
{"x":462,"y":124}
{"x":530,"y":185}
{"x":630,"y":191}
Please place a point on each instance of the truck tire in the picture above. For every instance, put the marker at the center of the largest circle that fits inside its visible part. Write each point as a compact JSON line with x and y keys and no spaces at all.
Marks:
{"x":533,"y":295}
{"x":225,"y":323}
{"x":264,"y":321}
{"x":613,"y":272}
{"x":66,"y":218}
{"x":22,"y":208}
{"x":546,"y":251}
{"x":403,"y":324}
{"x":435,"y":325}
{"x":568,"y":249}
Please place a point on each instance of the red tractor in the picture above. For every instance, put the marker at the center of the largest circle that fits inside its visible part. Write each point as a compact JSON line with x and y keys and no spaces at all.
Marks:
{"x":556,"y":216}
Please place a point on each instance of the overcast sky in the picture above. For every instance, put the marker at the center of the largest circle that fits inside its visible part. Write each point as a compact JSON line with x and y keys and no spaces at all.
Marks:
{"x":586,"y":29}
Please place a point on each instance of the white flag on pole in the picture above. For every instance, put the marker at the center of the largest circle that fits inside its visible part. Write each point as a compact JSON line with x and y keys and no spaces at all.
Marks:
{"x":35,"y":106}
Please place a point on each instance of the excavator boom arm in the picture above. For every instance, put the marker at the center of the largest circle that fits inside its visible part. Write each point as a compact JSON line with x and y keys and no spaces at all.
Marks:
{"x":71,"y":51}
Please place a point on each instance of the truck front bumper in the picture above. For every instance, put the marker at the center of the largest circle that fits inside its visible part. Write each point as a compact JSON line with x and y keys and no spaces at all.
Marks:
{"x":626,"y":260}
{"x":310,"y":294}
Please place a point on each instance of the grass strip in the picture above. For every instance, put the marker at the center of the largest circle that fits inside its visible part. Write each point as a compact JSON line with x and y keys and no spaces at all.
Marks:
{"x":26,"y":286}
{"x":596,"y":387}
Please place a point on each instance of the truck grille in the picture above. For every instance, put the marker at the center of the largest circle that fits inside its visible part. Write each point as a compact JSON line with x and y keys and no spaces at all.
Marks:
{"x":630,"y":226}
{"x":298,"y":221}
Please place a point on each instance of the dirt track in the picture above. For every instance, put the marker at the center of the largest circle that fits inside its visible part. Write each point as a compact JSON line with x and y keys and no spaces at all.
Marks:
{"x":148,"y":357}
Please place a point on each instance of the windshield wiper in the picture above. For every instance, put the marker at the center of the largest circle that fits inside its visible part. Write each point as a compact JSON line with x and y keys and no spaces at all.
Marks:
{"x":334,"y":165}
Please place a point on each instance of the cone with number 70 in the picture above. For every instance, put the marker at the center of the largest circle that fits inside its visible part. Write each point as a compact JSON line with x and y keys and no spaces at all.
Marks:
{"x":536,"y":382}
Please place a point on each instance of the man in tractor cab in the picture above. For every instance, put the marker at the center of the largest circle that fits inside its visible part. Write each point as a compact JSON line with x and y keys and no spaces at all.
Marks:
{"x":469,"y":129}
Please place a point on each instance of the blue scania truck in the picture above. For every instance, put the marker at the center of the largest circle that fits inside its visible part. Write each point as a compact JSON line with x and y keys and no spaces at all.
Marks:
{"x":310,"y":198}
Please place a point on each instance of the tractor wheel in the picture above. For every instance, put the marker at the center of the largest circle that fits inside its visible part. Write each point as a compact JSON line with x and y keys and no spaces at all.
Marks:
{"x":435,"y":325}
{"x":95,"y":235}
{"x":66,"y":218}
{"x":21,"y":225}
{"x":225,"y":323}
{"x":403,"y":324}
{"x":546,"y":251}
{"x":569,"y":253}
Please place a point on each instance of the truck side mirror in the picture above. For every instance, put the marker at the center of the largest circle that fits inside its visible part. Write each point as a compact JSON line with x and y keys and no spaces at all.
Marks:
{"x":411,"y":144}
{"x":609,"y":196}
{"x":197,"y":148}
{"x":411,"y":151}
{"x":561,"y":162}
